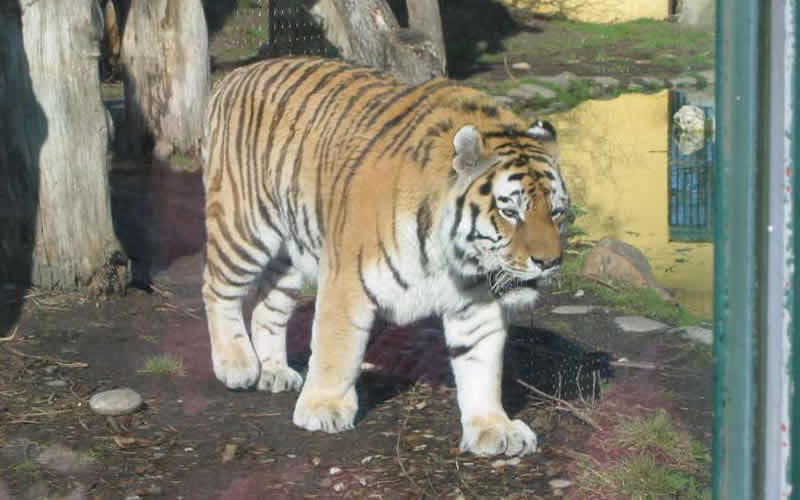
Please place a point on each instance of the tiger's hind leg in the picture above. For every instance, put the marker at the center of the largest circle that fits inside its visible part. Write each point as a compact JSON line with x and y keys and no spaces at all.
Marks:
{"x":279,"y":287}
{"x":232,"y":267}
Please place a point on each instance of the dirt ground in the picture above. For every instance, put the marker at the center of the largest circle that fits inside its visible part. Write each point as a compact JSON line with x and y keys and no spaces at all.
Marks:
{"x":194,"y":439}
{"x":406,"y":437}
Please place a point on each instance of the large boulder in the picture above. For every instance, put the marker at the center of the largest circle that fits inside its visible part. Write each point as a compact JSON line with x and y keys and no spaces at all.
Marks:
{"x":615,"y":260}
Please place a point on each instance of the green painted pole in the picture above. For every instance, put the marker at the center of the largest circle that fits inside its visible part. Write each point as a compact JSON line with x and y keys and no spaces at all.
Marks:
{"x":735,"y":254}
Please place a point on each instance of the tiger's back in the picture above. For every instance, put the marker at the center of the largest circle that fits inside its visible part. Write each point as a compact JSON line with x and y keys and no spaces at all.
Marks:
{"x":403,"y":201}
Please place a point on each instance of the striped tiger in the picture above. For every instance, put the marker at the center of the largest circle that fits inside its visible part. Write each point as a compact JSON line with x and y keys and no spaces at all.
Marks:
{"x":401,"y":202}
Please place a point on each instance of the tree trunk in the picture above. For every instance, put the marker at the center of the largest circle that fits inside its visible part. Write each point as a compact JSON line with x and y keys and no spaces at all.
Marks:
{"x":166,"y":76}
{"x":367,"y":32}
{"x":424,"y":17}
{"x":55,"y":225}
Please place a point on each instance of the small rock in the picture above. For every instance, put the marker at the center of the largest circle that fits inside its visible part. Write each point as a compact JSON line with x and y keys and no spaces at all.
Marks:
{"x":229,"y":452}
{"x":683,"y":81}
{"x":504,"y":100}
{"x":59,"y":458}
{"x":420,"y":447}
{"x":560,"y":483}
{"x":607,"y":82}
{"x":651,"y":82}
{"x":708,"y":75}
{"x":502,"y":463}
{"x":55,"y":383}
{"x":579,"y":293}
{"x":698,"y":334}
{"x":635,"y":87}
{"x":116,"y":402}
{"x":561,"y":80}
{"x":530,"y":90}
{"x":188,"y":449}
{"x":639,"y":324}
{"x":338,"y":487}
{"x":367,"y":459}
{"x":523,"y":66}
{"x":50,"y":369}
{"x":572,"y":309}
{"x":334,"y":470}
{"x":315,"y":461}
{"x":616,"y":260}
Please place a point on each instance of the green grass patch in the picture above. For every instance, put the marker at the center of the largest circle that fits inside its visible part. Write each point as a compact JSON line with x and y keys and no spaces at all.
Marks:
{"x":99,"y":453}
{"x":164,"y":364}
{"x":26,"y":468}
{"x":625,"y":299}
{"x":643,"y":478}
{"x":604,"y":42}
{"x":150,"y":339}
{"x":659,"y":461}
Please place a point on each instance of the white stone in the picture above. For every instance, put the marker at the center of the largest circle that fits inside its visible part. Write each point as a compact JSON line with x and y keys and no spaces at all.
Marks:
{"x":561,"y":80}
{"x":560,"y":483}
{"x":638,"y":324}
{"x":699,"y":335}
{"x":334,"y":470}
{"x":579,"y":293}
{"x":116,"y":402}
{"x":572,"y":309}
{"x":521,"y":66}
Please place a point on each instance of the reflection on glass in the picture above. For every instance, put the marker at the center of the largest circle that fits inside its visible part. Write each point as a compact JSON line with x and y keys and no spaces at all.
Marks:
{"x":627,"y":172}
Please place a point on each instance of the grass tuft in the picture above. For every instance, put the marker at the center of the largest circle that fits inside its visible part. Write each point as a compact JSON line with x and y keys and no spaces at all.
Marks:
{"x":164,"y":364}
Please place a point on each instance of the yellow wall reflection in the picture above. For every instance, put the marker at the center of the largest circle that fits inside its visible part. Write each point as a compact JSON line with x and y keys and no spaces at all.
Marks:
{"x":616,"y":164}
{"x":597,"y":11}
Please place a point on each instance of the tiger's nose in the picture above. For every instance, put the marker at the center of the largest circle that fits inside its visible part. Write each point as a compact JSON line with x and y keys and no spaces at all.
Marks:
{"x":547,"y":263}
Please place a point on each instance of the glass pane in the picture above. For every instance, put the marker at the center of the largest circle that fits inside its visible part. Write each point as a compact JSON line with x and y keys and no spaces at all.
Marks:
{"x":610,"y":367}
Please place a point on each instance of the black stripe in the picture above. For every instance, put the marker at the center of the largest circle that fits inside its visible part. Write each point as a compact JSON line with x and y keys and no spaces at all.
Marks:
{"x":458,"y":351}
{"x":399,"y":279}
{"x":424,"y":224}
{"x":459,"y":210}
{"x":361,"y":279}
{"x":475,"y":210}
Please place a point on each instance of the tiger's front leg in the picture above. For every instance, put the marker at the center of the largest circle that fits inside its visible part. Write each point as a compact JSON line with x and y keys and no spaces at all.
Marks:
{"x":475,"y":339}
{"x":342,"y":324}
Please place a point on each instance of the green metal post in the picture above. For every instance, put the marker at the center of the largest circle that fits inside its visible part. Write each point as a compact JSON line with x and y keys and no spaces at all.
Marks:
{"x":735,"y":258}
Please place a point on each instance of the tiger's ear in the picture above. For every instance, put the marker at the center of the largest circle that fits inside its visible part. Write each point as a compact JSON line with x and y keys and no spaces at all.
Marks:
{"x":542,"y":130}
{"x":467,"y":147}
{"x":545,"y":133}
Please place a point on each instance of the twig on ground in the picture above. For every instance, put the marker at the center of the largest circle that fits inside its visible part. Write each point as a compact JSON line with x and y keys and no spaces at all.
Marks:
{"x":580,"y":415}
{"x":508,"y":70}
{"x":256,"y":415}
{"x":602,"y":282}
{"x":400,"y":460}
{"x":10,"y":337}
{"x":49,"y":359}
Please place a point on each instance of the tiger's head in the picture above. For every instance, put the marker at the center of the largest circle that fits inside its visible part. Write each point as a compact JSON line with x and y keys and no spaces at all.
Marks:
{"x":508,"y":201}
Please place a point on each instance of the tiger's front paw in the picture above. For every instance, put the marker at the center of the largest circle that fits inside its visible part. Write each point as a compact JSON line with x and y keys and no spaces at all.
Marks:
{"x":278,"y":377}
{"x":486,"y":436}
{"x":235,"y":363}
{"x":324,"y":413}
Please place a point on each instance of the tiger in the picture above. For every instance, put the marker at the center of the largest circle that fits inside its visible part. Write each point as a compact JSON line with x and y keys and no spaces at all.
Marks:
{"x":401,"y":203}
